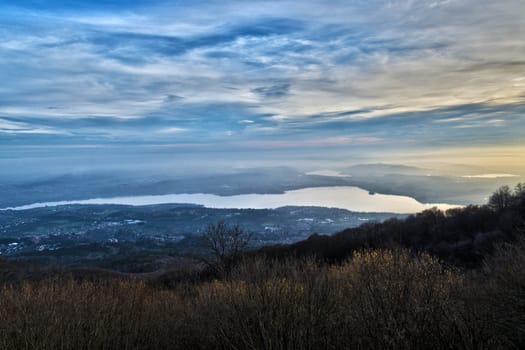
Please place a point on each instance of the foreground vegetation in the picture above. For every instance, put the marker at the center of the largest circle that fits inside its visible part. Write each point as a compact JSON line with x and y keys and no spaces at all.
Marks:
{"x":398,"y":296}
{"x":386,"y":299}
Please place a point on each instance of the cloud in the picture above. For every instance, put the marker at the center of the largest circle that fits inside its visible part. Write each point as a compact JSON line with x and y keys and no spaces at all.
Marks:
{"x":423,"y":73}
{"x":172,"y":130}
{"x":273,"y":91}
{"x":10,"y":127}
{"x":131,"y":47}
{"x":327,"y":142}
{"x":489,"y":176}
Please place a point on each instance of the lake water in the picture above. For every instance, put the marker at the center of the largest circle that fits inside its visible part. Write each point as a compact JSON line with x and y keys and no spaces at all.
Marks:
{"x":343,"y":197}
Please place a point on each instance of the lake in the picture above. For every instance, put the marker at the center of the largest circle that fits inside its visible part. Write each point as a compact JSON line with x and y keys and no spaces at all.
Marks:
{"x":343,"y":197}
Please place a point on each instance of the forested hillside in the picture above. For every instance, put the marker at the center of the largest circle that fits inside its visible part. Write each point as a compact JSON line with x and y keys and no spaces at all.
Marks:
{"x":462,"y":237}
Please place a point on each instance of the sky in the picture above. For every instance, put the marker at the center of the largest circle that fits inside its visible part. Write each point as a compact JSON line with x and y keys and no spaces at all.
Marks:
{"x":89,"y":84}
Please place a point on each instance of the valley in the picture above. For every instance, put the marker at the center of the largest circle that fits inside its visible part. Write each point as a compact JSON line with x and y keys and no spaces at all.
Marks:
{"x":111,"y":235}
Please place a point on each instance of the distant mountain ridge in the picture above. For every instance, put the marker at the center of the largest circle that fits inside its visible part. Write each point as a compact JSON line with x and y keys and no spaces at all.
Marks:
{"x":379,"y":178}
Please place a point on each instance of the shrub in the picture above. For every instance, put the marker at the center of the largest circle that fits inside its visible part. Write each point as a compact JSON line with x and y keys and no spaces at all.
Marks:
{"x":394,"y":300}
{"x":387,"y":299}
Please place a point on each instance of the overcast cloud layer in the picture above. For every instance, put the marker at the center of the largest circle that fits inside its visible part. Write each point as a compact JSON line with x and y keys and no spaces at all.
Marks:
{"x":398,"y":75}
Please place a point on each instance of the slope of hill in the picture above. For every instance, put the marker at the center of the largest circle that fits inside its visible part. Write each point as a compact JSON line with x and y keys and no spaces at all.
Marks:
{"x":461,"y":237}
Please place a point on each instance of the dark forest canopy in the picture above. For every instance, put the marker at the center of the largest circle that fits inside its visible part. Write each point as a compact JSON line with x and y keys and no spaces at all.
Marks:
{"x":459,"y":236}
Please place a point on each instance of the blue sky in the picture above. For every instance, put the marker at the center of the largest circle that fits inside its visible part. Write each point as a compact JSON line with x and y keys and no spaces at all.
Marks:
{"x":339,"y":79}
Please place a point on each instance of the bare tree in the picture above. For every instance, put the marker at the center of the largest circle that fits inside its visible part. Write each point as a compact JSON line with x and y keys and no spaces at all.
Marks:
{"x":501,"y":199}
{"x":225,"y":241}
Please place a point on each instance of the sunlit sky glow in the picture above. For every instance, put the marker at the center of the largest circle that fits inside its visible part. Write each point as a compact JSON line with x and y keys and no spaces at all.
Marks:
{"x":405,"y":77}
